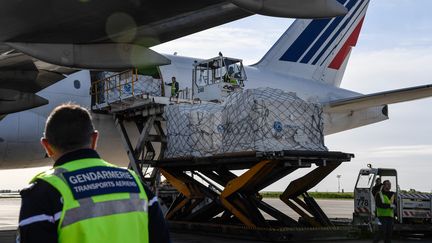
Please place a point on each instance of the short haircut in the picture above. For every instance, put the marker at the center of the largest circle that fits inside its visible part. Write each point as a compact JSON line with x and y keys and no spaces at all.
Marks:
{"x":386,"y":181}
{"x":69,"y":127}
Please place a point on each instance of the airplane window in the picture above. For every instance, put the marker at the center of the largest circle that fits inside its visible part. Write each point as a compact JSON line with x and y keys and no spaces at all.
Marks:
{"x":77,"y":84}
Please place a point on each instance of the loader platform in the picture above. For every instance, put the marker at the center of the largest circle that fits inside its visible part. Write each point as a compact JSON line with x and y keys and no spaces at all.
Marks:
{"x":220,"y":193}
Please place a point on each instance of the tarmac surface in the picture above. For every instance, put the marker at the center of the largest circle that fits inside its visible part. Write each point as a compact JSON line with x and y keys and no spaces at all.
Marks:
{"x":9,"y":211}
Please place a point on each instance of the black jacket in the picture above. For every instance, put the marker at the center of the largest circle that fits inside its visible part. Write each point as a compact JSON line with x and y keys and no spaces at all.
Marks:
{"x":380,"y":203}
{"x":376,"y":189}
{"x":41,"y":202}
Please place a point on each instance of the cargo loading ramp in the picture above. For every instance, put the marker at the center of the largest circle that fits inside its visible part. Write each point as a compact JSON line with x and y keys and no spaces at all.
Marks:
{"x":130,"y":99}
{"x":215,"y":199}
{"x":212,"y":196}
{"x":127,"y":90}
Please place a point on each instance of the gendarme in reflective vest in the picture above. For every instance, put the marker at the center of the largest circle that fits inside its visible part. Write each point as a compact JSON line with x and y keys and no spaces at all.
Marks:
{"x":101,"y":202}
{"x":385,"y":212}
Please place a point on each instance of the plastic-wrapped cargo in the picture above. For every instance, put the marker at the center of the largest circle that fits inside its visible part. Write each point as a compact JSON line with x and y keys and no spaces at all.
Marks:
{"x":269,"y":119}
{"x":262,"y":119}
{"x":192,"y":130}
{"x":143,"y":86}
{"x":148,"y":85}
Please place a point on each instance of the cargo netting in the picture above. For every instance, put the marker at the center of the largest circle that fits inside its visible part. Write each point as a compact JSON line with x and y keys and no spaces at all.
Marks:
{"x":262,"y":119}
{"x":118,"y":88}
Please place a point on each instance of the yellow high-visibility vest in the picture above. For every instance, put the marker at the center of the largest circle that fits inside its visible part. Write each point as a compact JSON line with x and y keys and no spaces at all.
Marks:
{"x":385,"y":212}
{"x":173,"y":89}
{"x":101,"y":202}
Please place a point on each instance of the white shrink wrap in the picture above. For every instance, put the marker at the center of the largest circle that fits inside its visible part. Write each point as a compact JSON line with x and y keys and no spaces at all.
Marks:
{"x":262,"y":119}
{"x":192,"y":130}
{"x":118,"y":90}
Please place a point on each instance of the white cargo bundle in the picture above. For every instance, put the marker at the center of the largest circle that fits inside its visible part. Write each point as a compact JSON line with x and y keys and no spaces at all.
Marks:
{"x":253,"y":120}
{"x":148,"y":85}
{"x":142,"y":86}
{"x":192,"y":129}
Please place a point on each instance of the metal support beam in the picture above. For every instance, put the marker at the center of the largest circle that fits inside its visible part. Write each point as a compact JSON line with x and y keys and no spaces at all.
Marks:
{"x":239,"y":205}
{"x":301,"y":212}
{"x":133,"y":162}
{"x":300,"y":187}
{"x":286,"y":220}
{"x":305,"y":183}
{"x":144,"y":133}
{"x":192,"y":193}
{"x":143,"y":151}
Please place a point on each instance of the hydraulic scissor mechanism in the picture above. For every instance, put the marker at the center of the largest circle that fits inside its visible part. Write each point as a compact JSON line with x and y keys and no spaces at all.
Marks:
{"x":148,"y":143}
{"x":212,"y":189}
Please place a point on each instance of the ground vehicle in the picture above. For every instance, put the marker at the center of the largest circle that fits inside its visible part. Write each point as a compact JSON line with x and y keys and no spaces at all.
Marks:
{"x":411,"y":208}
{"x":215,"y":78}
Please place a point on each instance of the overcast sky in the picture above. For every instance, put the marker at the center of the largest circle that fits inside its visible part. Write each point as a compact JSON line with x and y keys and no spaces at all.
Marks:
{"x":394,"y":51}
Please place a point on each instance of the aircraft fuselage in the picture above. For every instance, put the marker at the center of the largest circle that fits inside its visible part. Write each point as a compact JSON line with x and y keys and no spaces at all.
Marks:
{"x":20,"y":132}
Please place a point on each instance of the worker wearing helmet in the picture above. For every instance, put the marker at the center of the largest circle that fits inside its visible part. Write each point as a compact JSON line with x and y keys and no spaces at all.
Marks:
{"x":84,"y":198}
{"x":385,"y":205}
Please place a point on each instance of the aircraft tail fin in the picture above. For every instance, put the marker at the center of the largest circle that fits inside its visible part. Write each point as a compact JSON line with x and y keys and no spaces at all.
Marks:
{"x":317,"y":49}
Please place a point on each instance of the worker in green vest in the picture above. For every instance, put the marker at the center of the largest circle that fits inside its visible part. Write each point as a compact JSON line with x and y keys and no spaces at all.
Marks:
{"x":229,"y":76}
{"x":174,"y":87}
{"x":84,"y":198}
{"x":385,"y":206}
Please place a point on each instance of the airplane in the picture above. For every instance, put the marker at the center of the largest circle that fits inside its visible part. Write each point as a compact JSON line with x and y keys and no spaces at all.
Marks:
{"x":310,"y":59}
{"x":42,"y":42}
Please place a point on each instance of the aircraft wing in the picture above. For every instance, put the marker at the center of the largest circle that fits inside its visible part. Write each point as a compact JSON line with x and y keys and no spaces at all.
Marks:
{"x":379,"y":99}
{"x":21,"y":77}
{"x":109,"y":34}
{"x":42,"y":40}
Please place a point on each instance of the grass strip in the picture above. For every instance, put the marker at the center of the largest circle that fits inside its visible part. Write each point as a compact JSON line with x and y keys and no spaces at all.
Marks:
{"x":317,"y":195}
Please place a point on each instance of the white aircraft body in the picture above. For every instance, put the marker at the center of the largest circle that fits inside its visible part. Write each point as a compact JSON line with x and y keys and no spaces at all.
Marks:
{"x":309,"y":59}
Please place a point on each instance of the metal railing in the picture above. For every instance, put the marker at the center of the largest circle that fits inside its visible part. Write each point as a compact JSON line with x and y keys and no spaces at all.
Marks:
{"x":185,"y":93}
{"x":116,"y":85}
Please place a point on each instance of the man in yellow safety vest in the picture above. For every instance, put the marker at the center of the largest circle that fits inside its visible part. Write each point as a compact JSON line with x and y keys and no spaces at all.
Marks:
{"x":174,"y":87}
{"x":385,"y":205}
{"x":84,"y":198}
